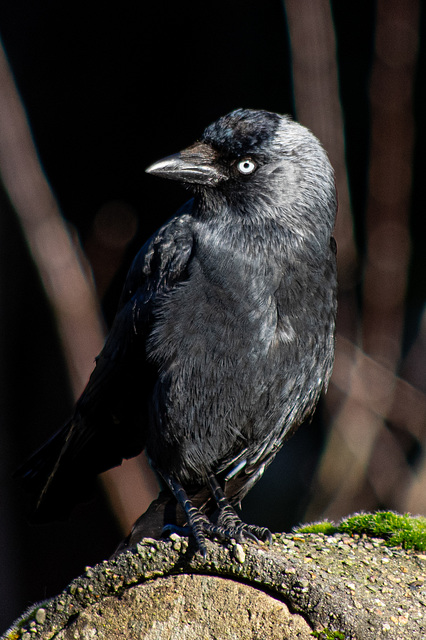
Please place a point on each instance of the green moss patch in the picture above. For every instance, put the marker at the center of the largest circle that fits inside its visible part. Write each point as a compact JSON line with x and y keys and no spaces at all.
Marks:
{"x":406,"y":530}
{"x":326,"y":634}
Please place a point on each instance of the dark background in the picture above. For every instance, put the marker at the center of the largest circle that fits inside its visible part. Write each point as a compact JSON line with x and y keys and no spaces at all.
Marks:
{"x":108,"y":90}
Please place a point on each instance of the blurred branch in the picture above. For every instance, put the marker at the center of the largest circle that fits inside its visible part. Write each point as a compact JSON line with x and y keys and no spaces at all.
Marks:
{"x":70,"y":291}
{"x":414,"y":370}
{"x":377,"y":388}
{"x":317,"y":102}
{"x":390,"y":178}
{"x":386,"y":272}
{"x":414,"y":366}
{"x":361,"y":449}
{"x":366,"y":393}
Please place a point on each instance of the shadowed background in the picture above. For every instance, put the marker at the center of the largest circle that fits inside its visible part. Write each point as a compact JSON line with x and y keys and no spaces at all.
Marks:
{"x":107,"y":91}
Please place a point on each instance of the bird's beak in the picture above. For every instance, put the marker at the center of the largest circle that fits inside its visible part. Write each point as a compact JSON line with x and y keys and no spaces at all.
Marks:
{"x":194,"y":165}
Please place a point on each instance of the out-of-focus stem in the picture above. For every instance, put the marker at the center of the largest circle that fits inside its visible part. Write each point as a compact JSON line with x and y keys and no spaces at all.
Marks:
{"x":317,"y":102}
{"x":70,"y":291}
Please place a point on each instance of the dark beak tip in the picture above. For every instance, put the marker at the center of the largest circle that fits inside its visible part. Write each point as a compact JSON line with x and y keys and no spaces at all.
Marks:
{"x":195,"y":165}
{"x":163,"y":165}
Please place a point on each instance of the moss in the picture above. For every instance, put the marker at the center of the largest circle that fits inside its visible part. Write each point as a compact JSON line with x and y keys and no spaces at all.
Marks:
{"x":325,"y":527}
{"x":405,"y":530}
{"x":326,"y":634}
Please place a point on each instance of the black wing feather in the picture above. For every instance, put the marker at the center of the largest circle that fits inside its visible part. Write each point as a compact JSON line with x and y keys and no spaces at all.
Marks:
{"x":111,"y":417}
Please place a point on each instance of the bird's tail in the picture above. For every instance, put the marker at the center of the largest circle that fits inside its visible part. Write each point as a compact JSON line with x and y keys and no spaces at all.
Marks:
{"x":52,"y":477}
{"x":37,"y":472}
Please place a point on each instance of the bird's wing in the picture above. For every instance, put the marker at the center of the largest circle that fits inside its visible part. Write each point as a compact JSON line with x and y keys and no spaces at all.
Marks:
{"x":158,"y":267}
{"x":162,"y":261}
{"x":110,"y":419}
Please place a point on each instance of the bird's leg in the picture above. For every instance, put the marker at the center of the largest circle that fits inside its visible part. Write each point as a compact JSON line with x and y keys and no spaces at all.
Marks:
{"x":229,"y":523}
{"x":198,"y":524}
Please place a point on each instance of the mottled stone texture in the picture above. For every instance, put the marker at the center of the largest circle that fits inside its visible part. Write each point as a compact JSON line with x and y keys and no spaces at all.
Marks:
{"x":188,"y":607}
{"x":164,"y":590}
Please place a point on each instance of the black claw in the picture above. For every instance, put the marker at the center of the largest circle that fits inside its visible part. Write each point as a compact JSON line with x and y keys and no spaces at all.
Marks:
{"x":201,"y":547}
{"x":251,"y":536}
{"x":265,"y":535}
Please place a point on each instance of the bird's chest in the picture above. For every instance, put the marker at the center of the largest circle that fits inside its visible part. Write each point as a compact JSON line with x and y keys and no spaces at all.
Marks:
{"x":226,"y":310}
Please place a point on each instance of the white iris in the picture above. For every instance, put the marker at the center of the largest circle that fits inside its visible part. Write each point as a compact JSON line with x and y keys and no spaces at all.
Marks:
{"x":246,"y":166}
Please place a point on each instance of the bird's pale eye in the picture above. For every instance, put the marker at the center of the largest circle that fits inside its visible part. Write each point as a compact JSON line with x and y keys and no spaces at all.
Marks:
{"x":246,"y":166}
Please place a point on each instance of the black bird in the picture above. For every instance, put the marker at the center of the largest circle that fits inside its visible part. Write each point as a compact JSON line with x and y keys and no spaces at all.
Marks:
{"x":230,"y":308}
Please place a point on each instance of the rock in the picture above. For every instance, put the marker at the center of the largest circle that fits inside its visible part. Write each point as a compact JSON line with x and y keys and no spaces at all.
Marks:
{"x":299,"y":584}
{"x":188,"y":607}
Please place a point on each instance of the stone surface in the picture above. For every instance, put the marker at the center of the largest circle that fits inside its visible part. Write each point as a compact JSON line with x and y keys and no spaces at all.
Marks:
{"x":355,"y":586}
{"x":188,"y":607}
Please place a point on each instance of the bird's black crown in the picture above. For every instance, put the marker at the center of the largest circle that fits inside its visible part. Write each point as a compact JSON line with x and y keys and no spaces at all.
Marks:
{"x":243,"y":131}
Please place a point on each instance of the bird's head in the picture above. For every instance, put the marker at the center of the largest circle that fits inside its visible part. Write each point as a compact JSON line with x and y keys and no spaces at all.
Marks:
{"x":258,"y":161}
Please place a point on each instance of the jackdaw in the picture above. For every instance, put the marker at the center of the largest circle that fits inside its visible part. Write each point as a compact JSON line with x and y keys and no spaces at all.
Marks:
{"x":224,"y":335}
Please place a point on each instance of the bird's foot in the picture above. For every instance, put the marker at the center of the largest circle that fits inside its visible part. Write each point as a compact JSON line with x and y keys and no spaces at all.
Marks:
{"x":230,"y":522}
{"x":200,"y":527}
{"x":235,"y":528}
{"x":228,"y":527}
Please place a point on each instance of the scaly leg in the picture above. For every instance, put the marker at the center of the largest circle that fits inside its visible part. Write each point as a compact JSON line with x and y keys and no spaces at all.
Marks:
{"x":198,"y":523}
{"x":230,"y":523}
{"x":229,"y":527}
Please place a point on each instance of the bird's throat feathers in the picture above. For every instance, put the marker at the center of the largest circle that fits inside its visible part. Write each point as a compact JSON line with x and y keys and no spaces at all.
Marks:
{"x":259,"y":225}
